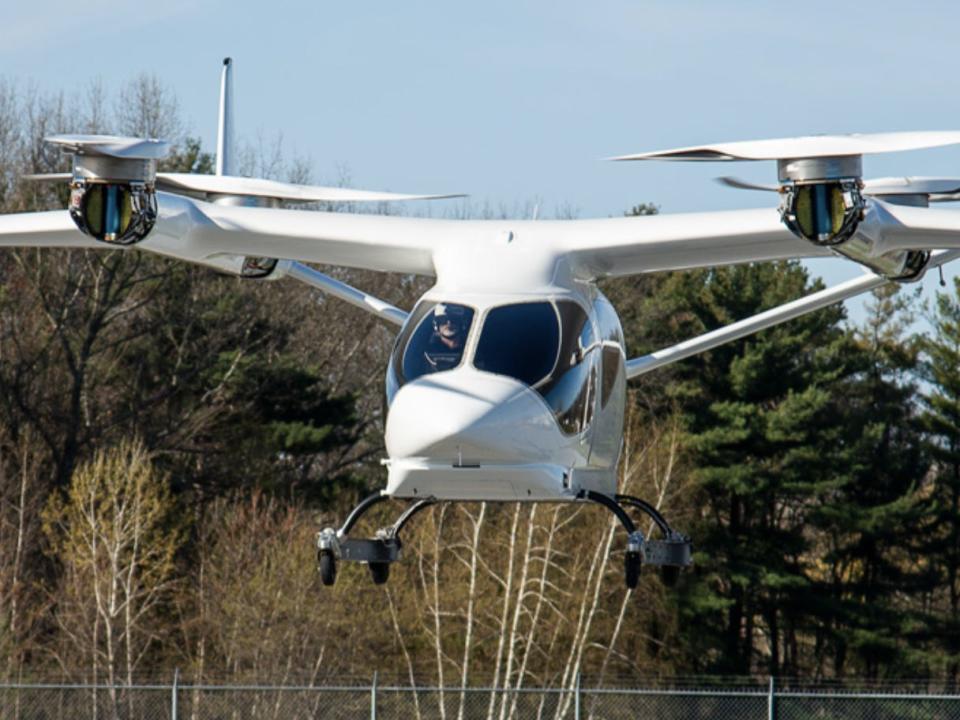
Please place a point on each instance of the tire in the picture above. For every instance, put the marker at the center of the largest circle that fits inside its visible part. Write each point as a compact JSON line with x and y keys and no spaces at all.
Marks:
{"x":380,"y":572}
{"x":631,"y":569}
{"x":327,"y":566}
{"x":670,"y":574}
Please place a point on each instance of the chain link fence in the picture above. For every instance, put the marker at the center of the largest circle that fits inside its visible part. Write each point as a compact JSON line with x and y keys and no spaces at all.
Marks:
{"x":712,"y":701}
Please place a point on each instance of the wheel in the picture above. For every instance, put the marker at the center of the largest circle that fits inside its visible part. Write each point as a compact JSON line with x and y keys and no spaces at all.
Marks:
{"x":380,"y":572}
{"x":670,"y":574}
{"x":631,"y":568}
{"x":328,"y":567}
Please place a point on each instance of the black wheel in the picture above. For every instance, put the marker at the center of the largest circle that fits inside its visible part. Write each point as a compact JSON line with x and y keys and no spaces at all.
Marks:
{"x":380,"y":572}
{"x":328,"y":567}
{"x":670,"y":574}
{"x":631,"y":568}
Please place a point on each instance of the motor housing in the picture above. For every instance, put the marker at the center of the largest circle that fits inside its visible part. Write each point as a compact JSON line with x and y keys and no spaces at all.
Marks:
{"x":821,"y":201}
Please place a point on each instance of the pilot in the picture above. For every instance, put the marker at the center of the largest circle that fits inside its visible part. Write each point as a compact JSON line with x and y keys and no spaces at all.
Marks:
{"x":445,"y":347}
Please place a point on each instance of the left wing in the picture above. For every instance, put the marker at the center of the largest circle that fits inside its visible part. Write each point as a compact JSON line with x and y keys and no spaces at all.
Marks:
{"x":53,"y":229}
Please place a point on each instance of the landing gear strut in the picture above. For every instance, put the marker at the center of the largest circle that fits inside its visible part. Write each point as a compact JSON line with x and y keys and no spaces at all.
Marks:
{"x":671,"y":553}
{"x":377,"y":552}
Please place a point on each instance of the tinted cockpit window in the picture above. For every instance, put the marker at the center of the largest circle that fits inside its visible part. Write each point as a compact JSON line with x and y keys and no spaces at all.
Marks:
{"x":519,"y":341}
{"x":549,"y":347}
{"x":436,"y":342}
{"x":570,"y":391}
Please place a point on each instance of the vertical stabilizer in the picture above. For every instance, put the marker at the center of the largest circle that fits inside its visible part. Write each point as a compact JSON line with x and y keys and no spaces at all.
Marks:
{"x":225,"y":159}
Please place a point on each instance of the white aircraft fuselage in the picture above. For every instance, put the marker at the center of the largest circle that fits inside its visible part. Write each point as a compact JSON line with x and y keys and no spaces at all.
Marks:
{"x":527,"y":400}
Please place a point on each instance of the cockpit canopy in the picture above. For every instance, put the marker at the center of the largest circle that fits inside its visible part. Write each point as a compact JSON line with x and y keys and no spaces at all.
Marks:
{"x":548,"y":345}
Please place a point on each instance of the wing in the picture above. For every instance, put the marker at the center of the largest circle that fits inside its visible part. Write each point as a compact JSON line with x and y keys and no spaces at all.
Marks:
{"x":627,"y":246}
{"x":200,"y":232}
{"x":52,"y":229}
{"x":194,"y":230}
{"x":902,"y":227}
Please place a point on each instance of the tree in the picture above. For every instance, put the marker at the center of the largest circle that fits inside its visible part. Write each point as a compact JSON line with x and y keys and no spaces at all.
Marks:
{"x":762,"y":416}
{"x":115,"y":534}
{"x":868,"y":523}
{"x":941,"y":421}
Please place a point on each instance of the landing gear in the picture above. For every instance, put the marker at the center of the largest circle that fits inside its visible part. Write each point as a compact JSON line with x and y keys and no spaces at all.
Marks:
{"x":327,"y":564}
{"x":669,"y":574}
{"x":631,"y":568}
{"x":380,"y":572}
{"x":671,"y":553}
{"x":377,"y":552}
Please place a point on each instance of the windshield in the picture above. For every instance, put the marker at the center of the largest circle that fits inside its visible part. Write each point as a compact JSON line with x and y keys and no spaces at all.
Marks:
{"x":433,"y":340}
{"x":520,"y":341}
{"x":548,"y":346}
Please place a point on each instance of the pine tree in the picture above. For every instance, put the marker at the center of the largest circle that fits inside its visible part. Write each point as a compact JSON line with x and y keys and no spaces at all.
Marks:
{"x":761,"y":415}
{"x":941,"y":421}
{"x":868,"y":524}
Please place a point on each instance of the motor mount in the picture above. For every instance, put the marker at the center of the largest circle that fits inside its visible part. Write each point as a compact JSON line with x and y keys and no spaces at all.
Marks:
{"x":822,"y":201}
{"x":113,"y":185}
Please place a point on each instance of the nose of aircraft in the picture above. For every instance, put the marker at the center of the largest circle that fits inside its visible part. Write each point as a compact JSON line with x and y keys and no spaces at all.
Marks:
{"x":473,"y":417}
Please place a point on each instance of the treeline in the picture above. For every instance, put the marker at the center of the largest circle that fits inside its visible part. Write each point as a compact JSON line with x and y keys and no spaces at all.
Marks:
{"x":171,"y":440}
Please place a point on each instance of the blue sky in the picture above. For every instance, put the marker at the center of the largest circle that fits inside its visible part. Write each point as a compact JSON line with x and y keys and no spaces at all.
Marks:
{"x":519,"y":101}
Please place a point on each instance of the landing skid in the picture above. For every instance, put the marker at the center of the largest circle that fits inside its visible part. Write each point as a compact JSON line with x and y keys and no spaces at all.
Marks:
{"x":670,"y":554}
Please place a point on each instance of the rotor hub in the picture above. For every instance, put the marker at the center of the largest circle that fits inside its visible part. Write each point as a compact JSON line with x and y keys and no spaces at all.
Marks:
{"x":819,"y":169}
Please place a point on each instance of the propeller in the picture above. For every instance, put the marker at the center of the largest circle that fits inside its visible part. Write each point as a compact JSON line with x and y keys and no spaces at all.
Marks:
{"x":111,"y":146}
{"x":810,"y":146}
{"x":91,"y":147}
{"x":211,"y":185}
{"x":823,"y":198}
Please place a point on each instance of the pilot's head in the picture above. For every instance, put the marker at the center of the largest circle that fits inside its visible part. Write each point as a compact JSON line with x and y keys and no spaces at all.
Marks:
{"x":448,"y":324}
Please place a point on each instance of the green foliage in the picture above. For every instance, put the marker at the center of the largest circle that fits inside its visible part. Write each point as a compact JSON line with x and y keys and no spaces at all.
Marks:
{"x":941,"y":521}
{"x":188,"y":158}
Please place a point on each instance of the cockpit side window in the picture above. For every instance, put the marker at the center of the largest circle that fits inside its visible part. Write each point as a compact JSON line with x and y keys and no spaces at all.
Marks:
{"x":570,"y":391}
{"x":612,"y":353}
{"x":433,"y":340}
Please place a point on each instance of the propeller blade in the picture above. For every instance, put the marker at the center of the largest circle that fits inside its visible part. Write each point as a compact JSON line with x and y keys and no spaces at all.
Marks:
{"x":745,"y":184}
{"x":185,"y":183}
{"x":805,"y":147}
{"x":204,"y":185}
{"x":912,"y":186}
{"x":112,"y":146}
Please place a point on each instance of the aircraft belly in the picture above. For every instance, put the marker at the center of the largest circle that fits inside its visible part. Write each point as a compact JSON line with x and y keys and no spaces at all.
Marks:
{"x":420,"y":478}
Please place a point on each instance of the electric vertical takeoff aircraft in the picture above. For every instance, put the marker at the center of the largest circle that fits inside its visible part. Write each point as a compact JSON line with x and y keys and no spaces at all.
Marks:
{"x":508,"y":378}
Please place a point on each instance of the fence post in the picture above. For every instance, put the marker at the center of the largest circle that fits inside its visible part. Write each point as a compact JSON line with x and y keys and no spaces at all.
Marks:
{"x":173,"y":694}
{"x":373,"y":697}
{"x":576,"y":698}
{"x":772,"y":701}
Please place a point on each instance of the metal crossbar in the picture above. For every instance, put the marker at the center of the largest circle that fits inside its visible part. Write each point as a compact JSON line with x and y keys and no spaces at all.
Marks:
{"x":179,"y":700}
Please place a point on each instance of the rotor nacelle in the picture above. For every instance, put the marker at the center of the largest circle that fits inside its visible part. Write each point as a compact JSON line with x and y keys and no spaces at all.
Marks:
{"x":822,"y":201}
{"x":822,"y":194}
{"x":113,"y":185}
